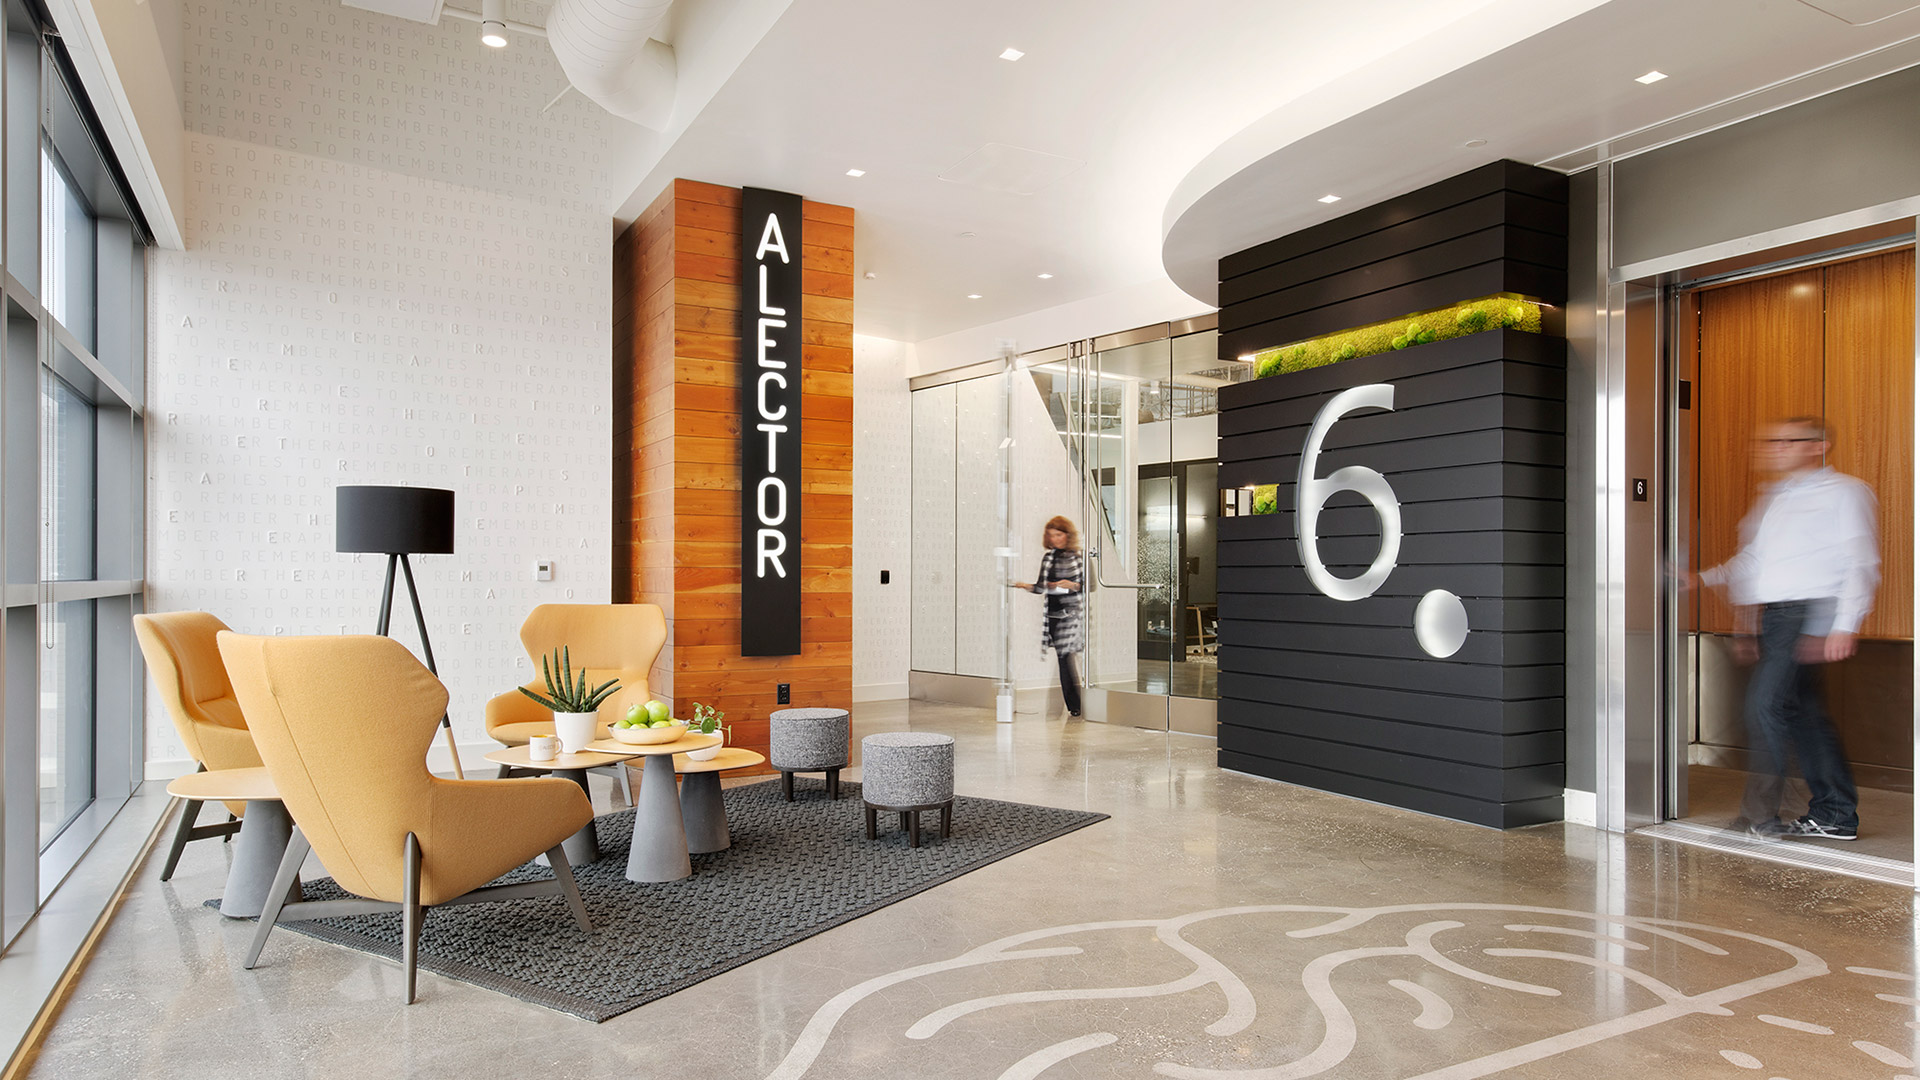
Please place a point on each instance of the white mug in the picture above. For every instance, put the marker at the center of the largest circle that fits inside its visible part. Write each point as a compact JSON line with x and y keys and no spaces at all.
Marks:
{"x":543,"y":747}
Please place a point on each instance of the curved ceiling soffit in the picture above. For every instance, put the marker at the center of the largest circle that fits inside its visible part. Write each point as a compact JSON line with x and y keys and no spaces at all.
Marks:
{"x":606,"y":47}
{"x":1213,"y":196}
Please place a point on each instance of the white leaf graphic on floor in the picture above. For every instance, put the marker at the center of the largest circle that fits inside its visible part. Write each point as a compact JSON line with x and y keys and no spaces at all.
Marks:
{"x":1115,"y":996}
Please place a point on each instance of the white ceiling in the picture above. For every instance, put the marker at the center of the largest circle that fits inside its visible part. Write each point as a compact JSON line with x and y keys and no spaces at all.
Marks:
{"x":1133,"y":94}
{"x":1142,"y":139}
{"x":1568,"y":89}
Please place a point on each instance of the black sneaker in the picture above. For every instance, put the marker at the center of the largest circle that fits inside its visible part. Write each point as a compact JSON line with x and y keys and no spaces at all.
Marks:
{"x":1807,"y":827}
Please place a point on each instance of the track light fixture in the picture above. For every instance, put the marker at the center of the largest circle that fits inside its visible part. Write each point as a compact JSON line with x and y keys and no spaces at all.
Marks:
{"x":493,"y":23}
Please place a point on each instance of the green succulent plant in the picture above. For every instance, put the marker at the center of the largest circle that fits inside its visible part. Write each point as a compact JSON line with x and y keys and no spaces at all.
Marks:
{"x":566,"y":693}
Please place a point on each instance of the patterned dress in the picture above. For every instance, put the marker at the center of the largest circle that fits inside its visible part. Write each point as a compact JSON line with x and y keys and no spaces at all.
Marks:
{"x":1061,"y":630}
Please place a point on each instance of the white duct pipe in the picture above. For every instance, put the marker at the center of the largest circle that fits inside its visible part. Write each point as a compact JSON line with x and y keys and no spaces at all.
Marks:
{"x":606,"y":47}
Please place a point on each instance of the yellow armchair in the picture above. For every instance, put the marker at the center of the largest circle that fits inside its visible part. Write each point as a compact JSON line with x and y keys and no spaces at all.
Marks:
{"x":343,"y":724}
{"x":184,"y":658}
{"x":607,"y":639}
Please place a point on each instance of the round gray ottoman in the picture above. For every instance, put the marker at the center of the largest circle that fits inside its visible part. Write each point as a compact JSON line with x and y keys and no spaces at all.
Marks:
{"x":908,"y":771}
{"x":809,"y":740}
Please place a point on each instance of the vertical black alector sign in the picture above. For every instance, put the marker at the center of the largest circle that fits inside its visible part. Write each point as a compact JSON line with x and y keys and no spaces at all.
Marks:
{"x":769,"y":423}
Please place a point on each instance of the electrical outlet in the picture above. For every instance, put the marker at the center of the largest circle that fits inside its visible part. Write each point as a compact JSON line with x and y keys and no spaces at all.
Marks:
{"x":886,"y":576}
{"x":543,"y":570}
{"x":786,"y":694}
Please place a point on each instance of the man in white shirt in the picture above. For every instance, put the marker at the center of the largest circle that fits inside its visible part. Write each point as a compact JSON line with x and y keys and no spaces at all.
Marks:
{"x":1809,"y":562}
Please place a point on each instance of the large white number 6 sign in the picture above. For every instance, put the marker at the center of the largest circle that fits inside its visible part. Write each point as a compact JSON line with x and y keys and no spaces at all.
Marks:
{"x":1313,"y":492}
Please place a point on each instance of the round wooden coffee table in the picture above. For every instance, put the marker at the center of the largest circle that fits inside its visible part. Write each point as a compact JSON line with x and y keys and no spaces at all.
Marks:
{"x":700,"y":802}
{"x":584,"y":846}
{"x":265,"y":830}
{"x":659,"y":851}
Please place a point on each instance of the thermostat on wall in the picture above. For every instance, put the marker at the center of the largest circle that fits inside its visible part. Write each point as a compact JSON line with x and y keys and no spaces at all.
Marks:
{"x":543,"y":570}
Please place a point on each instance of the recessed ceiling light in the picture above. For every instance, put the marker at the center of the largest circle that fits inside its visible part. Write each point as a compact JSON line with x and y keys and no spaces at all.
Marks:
{"x":1012,"y":54}
{"x":1476,"y":142}
{"x":856,"y":172}
{"x":1044,"y":277}
{"x":1329,"y":198}
{"x":871,"y":275}
{"x":968,"y":235}
{"x":1651,"y":77}
{"x":1246,"y":358}
{"x":973,"y":296}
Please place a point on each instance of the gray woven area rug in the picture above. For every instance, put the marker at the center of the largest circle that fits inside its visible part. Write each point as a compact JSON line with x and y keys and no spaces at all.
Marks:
{"x":794,"y":870}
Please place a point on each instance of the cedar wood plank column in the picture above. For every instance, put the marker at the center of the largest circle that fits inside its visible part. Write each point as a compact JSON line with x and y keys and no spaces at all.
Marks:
{"x":676,"y":454}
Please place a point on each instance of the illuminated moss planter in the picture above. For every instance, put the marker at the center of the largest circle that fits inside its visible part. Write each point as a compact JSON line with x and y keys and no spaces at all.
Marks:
{"x":1501,"y":312}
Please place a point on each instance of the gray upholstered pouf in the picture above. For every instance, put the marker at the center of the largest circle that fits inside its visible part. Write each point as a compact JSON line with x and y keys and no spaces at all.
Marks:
{"x":906,"y":768}
{"x":809,"y":740}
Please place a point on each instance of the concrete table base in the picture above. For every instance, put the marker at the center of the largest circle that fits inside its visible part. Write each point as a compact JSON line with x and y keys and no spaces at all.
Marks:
{"x":582,"y":847}
{"x":264,"y":833}
{"x":659,"y":850}
{"x":705,"y":813}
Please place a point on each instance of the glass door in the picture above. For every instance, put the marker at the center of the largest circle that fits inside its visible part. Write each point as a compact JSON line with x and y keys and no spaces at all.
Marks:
{"x":1128,"y":535}
{"x":1137,"y":411}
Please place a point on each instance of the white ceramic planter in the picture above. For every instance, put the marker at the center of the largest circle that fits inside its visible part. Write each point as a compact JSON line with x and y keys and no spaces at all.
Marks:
{"x":712,"y":751}
{"x":576,"y":729}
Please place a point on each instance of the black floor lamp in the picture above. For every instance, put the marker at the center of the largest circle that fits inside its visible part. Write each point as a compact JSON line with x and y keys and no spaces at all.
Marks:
{"x":397,"y":522}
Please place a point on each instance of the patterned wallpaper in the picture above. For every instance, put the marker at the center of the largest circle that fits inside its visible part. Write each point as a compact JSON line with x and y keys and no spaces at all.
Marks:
{"x":397,"y":271}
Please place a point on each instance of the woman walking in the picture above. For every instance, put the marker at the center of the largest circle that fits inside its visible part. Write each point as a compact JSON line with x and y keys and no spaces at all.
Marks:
{"x":1060,"y":581}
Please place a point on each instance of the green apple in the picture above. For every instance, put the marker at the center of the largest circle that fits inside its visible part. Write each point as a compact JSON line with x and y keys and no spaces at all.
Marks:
{"x":657,"y":711}
{"x":633,"y":712}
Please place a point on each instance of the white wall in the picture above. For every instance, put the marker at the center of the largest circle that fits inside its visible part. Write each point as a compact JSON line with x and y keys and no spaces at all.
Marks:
{"x":397,"y":271}
{"x":882,"y":518}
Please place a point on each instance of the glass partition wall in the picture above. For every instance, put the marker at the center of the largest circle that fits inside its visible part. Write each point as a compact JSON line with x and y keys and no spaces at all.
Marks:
{"x":72,"y":474}
{"x":1118,"y":434}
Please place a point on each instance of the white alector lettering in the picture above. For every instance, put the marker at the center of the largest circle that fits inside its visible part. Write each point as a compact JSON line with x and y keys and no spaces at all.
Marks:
{"x":773,"y":544}
{"x":765,"y":412}
{"x":773,"y":460}
{"x":766,"y":308}
{"x":770,"y":502}
{"x":766,"y":343}
{"x":778,"y":514}
{"x":771,"y":240}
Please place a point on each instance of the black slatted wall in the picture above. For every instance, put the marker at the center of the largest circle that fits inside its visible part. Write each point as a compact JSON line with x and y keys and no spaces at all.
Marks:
{"x":1339,"y":695}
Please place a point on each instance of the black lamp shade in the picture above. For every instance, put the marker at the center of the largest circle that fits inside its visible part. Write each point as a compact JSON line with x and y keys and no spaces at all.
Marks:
{"x":393,"y":520}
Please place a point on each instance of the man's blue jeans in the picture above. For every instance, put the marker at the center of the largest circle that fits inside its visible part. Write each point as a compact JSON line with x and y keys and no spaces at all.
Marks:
{"x":1787,"y":719}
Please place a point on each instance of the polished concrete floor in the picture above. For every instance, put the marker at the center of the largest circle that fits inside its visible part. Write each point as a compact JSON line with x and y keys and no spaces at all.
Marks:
{"x":1218,"y":926}
{"x":1182,"y":679}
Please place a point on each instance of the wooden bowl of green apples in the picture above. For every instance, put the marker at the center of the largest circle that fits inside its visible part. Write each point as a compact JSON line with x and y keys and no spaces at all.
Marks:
{"x":648,"y":725}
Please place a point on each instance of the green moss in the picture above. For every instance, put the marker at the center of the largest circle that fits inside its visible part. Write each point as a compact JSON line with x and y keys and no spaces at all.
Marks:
{"x":1470,"y":317}
{"x":1266,"y":499}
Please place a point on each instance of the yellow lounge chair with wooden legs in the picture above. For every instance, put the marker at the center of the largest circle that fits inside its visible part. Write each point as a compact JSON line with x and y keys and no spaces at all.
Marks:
{"x":343,"y":725}
{"x":609,"y":640}
{"x":184,"y":658}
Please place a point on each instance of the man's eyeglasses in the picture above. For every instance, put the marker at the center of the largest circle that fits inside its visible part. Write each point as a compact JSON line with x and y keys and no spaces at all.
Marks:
{"x":1782,"y":440}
